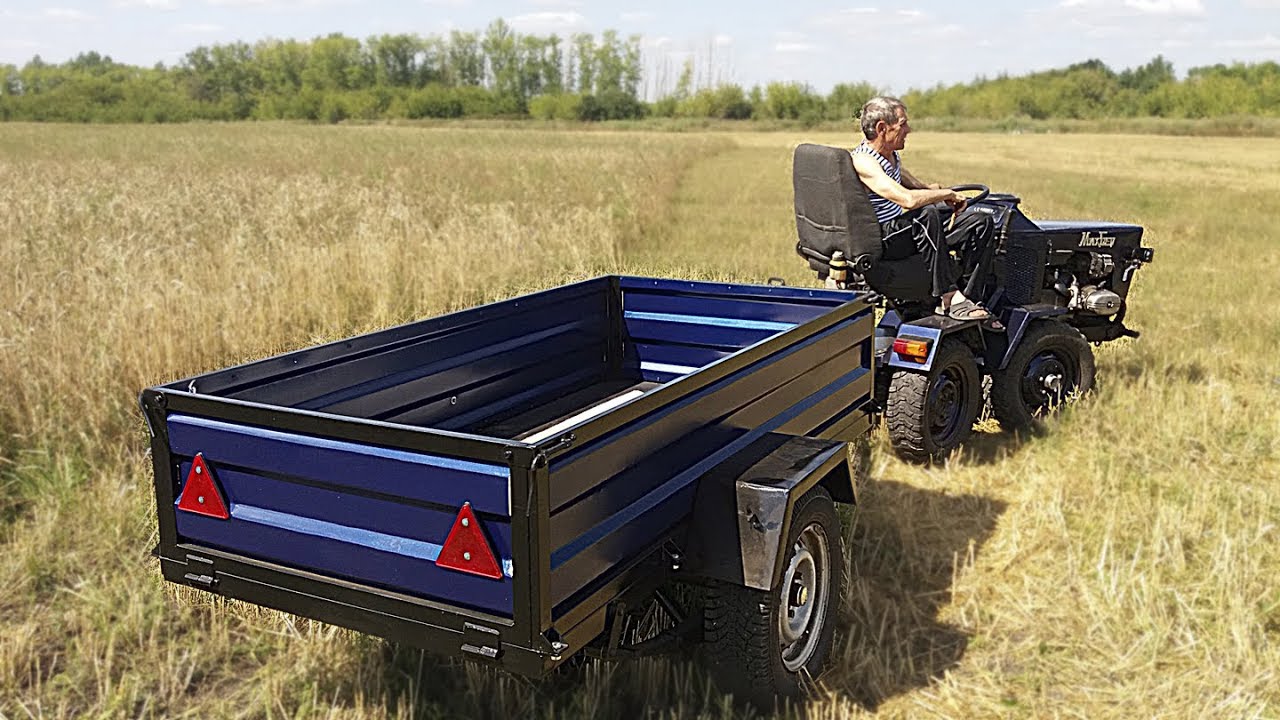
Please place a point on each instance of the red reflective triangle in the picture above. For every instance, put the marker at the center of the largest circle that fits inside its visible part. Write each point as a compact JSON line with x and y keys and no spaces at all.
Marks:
{"x":200,"y":492}
{"x":467,"y":549}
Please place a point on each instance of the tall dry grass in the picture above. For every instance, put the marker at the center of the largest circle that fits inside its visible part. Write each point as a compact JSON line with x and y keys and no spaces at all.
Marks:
{"x":1122,"y":566}
{"x":132,"y":256}
{"x":1125,"y":565}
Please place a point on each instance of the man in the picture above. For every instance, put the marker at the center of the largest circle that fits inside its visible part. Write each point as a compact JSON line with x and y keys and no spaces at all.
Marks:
{"x":907,"y":207}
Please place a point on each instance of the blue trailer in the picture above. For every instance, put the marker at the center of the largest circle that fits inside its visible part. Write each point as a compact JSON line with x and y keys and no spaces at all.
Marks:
{"x":511,"y":483}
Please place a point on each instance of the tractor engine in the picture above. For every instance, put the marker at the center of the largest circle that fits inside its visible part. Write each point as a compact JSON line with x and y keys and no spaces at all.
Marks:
{"x":1084,"y":267}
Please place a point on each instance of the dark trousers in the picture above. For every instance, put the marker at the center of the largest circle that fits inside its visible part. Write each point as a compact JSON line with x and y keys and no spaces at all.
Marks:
{"x":921,"y":231}
{"x":972,"y":238}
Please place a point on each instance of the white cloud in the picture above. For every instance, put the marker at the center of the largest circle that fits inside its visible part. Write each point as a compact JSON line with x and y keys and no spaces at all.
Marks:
{"x":547,"y":22}
{"x":21,"y":46}
{"x":67,"y":15}
{"x":1104,"y":10}
{"x":864,"y":21}
{"x":148,"y":4}
{"x":198,"y":28}
{"x":1266,"y":42}
{"x":1167,"y":7}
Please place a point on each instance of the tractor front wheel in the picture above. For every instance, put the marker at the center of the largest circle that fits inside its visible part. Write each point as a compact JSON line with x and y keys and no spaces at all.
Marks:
{"x":1053,"y":362}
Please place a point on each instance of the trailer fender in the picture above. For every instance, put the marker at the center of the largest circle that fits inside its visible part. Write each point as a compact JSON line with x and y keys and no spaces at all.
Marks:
{"x":743,"y":509}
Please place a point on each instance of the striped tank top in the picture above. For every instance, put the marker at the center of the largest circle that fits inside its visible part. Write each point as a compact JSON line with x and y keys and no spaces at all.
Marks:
{"x":886,"y":210}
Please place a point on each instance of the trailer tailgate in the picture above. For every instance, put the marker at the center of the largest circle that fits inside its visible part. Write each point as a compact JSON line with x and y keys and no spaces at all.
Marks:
{"x":365,"y":513}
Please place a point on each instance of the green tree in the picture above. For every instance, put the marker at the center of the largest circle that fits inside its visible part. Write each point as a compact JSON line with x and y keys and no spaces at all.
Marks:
{"x":395,"y":59}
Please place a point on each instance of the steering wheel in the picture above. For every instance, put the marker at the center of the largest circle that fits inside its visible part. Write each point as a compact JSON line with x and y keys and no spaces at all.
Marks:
{"x":982,"y":190}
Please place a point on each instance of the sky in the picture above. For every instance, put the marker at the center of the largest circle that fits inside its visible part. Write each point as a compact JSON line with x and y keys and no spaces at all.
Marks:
{"x":894,"y":46}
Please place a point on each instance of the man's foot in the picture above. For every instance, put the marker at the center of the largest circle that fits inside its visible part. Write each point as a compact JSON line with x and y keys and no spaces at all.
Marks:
{"x":963,"y":308}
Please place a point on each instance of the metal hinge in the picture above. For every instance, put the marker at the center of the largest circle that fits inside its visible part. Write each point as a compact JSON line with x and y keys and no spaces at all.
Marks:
{"x":202,"y":574}
{"x":481,"y":642}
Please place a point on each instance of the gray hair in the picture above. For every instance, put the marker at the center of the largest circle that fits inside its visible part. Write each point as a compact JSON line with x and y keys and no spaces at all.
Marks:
{"x":880,"y":108}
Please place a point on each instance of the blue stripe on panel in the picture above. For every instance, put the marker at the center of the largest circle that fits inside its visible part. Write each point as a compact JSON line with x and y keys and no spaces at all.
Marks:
{"x":359,"y":563}
{"x":360,"y":467}
{"x":675,"y":484}
{"x":710,"y":321}
{"x":562,"y":463}
{"x":771,"y":292}
{"x":466,"y":466}
{"x":343,"y":533}
{"x":784,"y":310}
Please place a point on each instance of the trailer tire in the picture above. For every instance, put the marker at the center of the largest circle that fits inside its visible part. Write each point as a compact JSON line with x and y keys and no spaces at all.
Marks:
{"x":1052,"y":363}
{"x":762,"y":646}
{"x":931,"y":414}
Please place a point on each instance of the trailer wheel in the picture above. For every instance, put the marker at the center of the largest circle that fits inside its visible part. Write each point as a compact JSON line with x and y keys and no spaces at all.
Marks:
{"x":1052,"y":363}
{"x":761,"y":646}
{"x":929,"y":415}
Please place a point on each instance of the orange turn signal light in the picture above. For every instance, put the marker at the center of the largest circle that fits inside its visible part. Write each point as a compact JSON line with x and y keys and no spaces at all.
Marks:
{"x":913,"y":349}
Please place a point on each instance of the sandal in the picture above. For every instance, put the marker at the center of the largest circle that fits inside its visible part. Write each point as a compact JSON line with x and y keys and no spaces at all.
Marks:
{"x":969,"y":310}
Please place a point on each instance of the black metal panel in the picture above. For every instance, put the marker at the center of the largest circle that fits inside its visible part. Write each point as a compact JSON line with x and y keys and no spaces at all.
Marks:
{"x":1024,"y":265}
{"x":620,"y":491}
{"x":372,"y":432}
{"x":416,"y":622}
{"x":309,"y":360}
{"x":671,"y":419}
{"x":531,"y":556}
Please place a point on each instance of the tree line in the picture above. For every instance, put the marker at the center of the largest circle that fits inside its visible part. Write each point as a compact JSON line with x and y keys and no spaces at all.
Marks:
{"x":499,"y":73}
{"x":1091,"y":90}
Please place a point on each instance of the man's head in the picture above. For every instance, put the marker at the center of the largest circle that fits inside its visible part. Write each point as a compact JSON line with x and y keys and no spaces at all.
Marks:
{"x":886,"y":118}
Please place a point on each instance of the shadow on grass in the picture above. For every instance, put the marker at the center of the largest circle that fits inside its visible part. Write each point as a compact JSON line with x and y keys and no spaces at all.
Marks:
{"x":991,"y":447}
{"x":904,"y":545}
{"x":419,"y":685}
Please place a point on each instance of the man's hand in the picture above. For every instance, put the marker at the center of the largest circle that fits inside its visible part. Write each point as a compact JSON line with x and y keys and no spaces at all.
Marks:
{"x":957,"y":202}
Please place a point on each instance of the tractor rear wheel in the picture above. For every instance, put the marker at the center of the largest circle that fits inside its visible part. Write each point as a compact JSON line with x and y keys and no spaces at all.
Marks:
{"x":930,"y":414}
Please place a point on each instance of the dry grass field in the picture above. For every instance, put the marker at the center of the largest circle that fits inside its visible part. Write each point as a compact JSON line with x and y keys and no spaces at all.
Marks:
{"x":1125,"y":565}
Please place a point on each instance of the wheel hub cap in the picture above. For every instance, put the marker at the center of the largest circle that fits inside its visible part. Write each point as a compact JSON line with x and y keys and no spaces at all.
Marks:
{"x":1047,"y":382}
{"x":946,"y":405}
{"x":805,"y":598}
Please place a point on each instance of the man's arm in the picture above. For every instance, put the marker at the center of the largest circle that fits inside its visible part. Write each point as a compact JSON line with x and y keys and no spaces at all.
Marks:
{"x":911,"y":183}
{"x":879,"y":182}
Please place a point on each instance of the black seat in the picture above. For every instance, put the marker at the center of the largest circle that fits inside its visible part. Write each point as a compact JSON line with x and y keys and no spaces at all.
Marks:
{"x":833,"y":213}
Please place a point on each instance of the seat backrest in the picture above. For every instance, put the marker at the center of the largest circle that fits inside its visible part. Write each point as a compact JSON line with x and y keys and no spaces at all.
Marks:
{"x":832,"y":209}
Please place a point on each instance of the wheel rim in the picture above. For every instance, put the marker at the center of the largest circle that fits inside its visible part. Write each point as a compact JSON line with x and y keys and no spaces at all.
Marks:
{"x":1050,"y":378}
{"x":805,"y":589}
{"x":948,"y":398}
